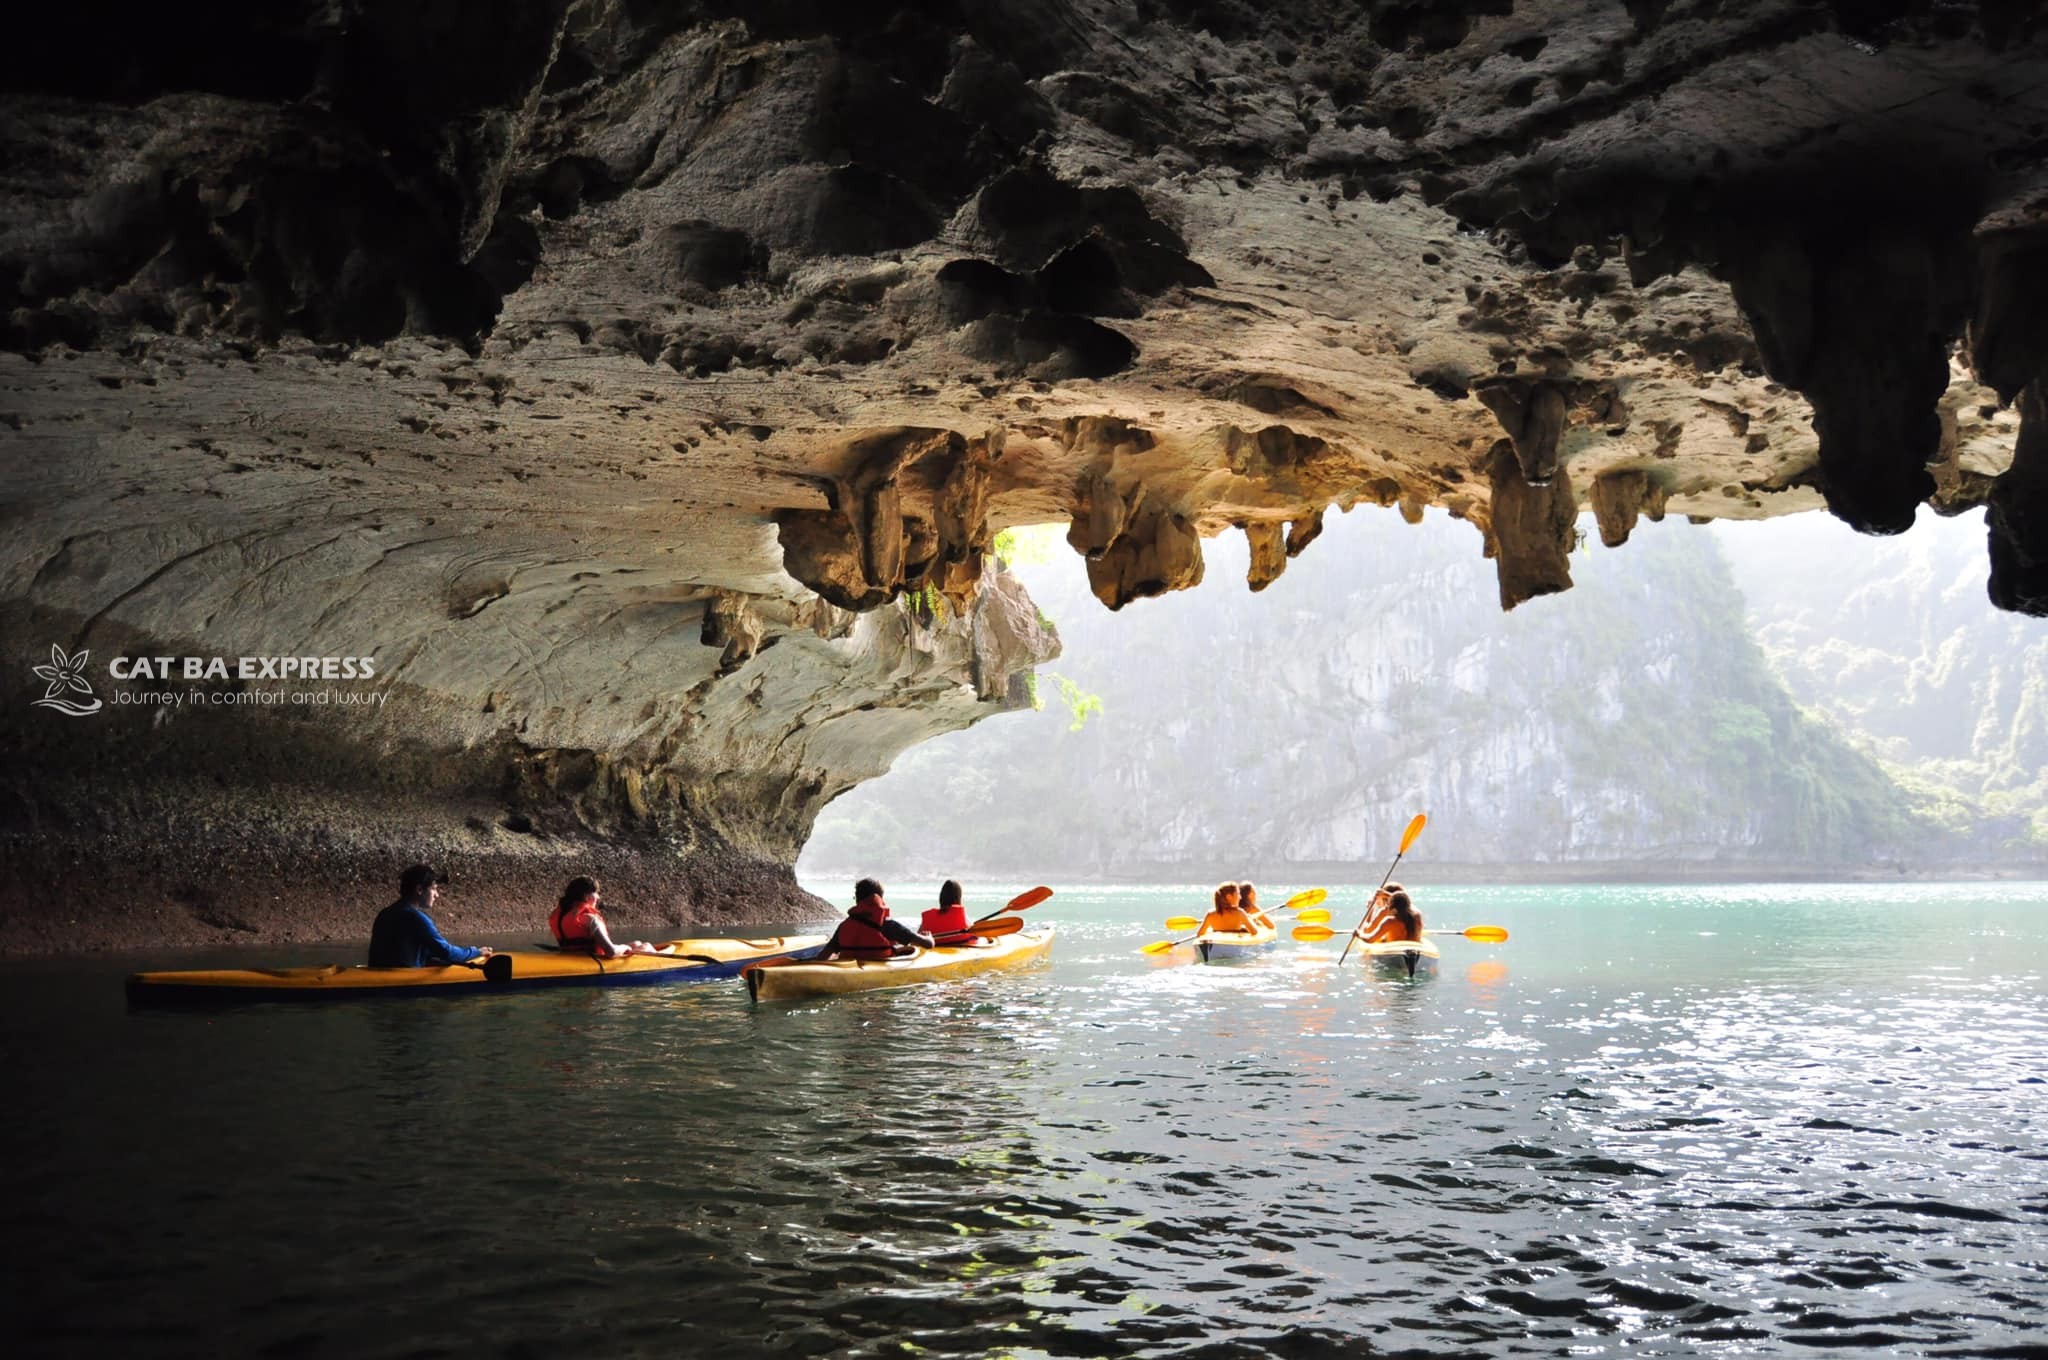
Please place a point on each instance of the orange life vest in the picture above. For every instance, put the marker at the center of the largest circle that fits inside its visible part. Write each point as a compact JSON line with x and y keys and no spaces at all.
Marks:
{"x":860,"y":935}
{"x":575,"y":928}
{"x":944,"y":920}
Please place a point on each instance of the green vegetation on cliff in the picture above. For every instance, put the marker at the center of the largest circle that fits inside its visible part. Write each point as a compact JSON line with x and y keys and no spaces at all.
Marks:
{"x":1897,"y":646}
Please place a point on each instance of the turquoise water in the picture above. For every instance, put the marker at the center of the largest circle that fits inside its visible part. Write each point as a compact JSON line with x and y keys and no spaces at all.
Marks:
{"x":1673,"y":1122}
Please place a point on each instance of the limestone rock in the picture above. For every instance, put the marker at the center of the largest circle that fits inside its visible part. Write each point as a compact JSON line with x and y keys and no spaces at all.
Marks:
{"x":591,"y":365}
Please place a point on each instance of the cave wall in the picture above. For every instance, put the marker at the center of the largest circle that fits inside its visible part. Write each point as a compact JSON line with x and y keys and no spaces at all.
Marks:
{"x":593,"y":364}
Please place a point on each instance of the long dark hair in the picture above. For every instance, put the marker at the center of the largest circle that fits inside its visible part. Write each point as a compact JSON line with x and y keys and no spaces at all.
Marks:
{"x":579,"y":891}
{"x":949,"y":894}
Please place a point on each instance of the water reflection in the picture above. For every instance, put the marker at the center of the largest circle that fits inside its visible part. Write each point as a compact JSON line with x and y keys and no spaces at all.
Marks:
{"x":1639,"y":1127}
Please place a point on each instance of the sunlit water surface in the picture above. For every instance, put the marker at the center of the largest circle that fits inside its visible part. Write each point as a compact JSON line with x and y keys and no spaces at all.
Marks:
{"x":1659,"y":1121}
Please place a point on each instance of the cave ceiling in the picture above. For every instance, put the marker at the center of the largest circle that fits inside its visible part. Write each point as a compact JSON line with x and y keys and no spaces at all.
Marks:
{"x":828,"y":294}
{"x":645,"y":385}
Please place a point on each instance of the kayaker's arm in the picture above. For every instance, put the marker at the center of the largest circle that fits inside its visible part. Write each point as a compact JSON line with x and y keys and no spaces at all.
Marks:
{"x":903,"y":934}
{"x":435,"y":949}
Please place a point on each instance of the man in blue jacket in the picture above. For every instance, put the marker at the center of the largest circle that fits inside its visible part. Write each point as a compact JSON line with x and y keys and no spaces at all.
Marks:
{"x":404,"y":935}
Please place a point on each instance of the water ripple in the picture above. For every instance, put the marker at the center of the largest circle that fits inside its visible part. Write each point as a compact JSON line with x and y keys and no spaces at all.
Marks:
{"x":1638,"y":1129}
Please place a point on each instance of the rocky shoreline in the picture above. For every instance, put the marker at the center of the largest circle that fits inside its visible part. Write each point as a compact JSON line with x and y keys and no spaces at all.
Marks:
{"x":147,"y":891}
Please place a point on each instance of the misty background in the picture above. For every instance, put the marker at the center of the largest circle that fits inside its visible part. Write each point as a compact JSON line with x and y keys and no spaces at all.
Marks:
{"x":1784,"y":699}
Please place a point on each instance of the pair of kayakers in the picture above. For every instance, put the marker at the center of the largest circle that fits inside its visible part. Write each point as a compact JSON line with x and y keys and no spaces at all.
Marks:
{"x":1235,"y":909}
{"x":869,"y":933}
{"x":1393,"y":917}
{"x":405,"y":936}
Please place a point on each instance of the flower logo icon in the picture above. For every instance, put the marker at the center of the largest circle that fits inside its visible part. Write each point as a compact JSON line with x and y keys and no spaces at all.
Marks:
{"x":66,"y":675}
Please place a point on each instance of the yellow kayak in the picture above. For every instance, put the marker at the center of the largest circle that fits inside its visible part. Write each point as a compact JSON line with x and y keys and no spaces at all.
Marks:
{"x":790,"y":981}
{"x":516,"y":969}
{"x":1214,"y":945}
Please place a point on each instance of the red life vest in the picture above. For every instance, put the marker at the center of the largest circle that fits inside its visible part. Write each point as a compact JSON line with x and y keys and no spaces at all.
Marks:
{"x":944,"y":920}
{"x":860,"y":935}
{"x":576,"y":927}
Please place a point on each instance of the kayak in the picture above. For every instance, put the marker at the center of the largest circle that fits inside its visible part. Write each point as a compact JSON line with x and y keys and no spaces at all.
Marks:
{"x":794,"y":980}
{"x":1403,"y":958}
{"x":1216,"y":945}
{"x":508,"y":970}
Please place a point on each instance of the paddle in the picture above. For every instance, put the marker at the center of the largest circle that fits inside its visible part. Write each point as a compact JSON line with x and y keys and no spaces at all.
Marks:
{"x":988,"y":928}
{"x":1023,"y":901}
{"x":1316,"y":917}
{"x":1483,"y":934}
{"x":1407,"y":839}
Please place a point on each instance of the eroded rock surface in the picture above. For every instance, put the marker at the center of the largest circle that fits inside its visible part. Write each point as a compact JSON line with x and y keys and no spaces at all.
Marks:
{"x":585,"y":362}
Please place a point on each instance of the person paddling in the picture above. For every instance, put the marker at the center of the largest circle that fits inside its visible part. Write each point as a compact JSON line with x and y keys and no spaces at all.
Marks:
{"x":1395,"y":917}
{"x":579,"y":927}
{"x":1248,"y":900}
{"x":868,"y":933}
{"x":404,"y":936}
{"x":1226,"y":915}
{"x":949,"y":917}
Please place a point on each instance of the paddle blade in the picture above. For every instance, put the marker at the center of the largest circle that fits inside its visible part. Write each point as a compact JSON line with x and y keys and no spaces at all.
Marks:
{"x":1182,"y":923}
{"x":1023,"y":901}
{"x":1314,"y":933}
{"x":1314,"y":916}
{"x":1160,"y":946}
{"x":1312,"y":897}
{"x":1483,"y":934}
{"x":982,"y":930}
{"x":1028,"y":899}
{"x":1414,"y":830}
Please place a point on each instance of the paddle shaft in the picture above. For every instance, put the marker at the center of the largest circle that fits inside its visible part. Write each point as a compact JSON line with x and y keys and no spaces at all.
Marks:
{"x":1384,"y":880}
{"x":1407,"y":839}
{"x":1023,"y":901}
{"x":1315,"y":934}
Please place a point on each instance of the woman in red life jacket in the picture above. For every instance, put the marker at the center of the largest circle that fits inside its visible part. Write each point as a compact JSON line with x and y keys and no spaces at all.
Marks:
{"x":949,"y":917}
{"x":868,"y":933}
{"x":579,"y":926}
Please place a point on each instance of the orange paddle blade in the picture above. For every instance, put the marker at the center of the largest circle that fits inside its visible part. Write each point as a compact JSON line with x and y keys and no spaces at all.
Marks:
{"x":1483,"y":934}
{"x":1182,"y":923}
{"x":1312,"y":897}
{"x":1314,"y":933}
{"x":983,"y":930}
{"x":1314,"y":916}
{"x":1414,"y":830}
{"x":1028,"y":899}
